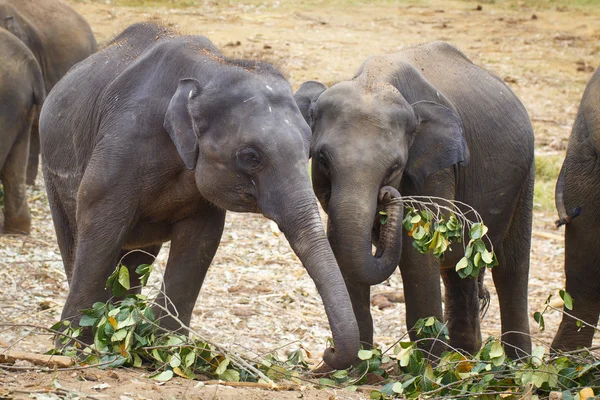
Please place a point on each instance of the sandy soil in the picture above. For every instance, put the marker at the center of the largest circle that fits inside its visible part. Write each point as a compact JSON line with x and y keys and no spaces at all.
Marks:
{"x":257,"y":298}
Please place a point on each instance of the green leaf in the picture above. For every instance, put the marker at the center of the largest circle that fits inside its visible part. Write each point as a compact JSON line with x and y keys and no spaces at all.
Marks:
{"x":539,"y":318}
{"x":365,"y":354}
{"x":119,"y":335}
{"x":397,"y":388}
{"x":175,"y":360}
{"x":537,"y":355}
{"x":144,"y":270}
{"x":341,"y":374}
{"x":327,"y":382}
{"x":496,"y":350}
{"x":230,"y":375}
{"x":164,"y":376}
{"x":567,"y":299}
{"x":462,"y":263}
{"x":477,"y":259}
{"x":190,"y":358}
{"x":222,"y":366}
{"x":497,"y":354}
{"x":124,"y":277}
{"x":87,"y":320}
{"x":137,"y":361}
{"x":477,"y":231}
{"x":430,"y":321}
{"x":487,"y":258}
{"x":415,"y":219}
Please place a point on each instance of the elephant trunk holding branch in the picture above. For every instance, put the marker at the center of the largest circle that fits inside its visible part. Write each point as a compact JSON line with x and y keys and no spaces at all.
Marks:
{"x":424,"y":121}
{"x":578,"y":192}
{"x":57,"y":36}
{"x":161,"y":137}
{"x":21,"y":95}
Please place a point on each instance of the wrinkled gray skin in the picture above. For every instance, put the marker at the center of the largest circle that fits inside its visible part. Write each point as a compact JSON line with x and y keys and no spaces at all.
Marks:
{"x":21,"y":95}
{"x":151,"y":140}
{"x":57,"y":36}
{"x":578,"y":192}
{"x":425,"y":121}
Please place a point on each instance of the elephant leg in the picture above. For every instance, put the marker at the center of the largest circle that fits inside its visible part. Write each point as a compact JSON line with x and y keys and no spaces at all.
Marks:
{"x":65,"y":235}
{"x":103,"y":222}
{"x":512,"y":274}
{"x":134,"y":258}
{"x":422,"y":290}
{"x":461,"y":310}
{"x":16,"y":211}
{"x":582,"y":270}
{"x":34,"y":152}
{"x":194,"y":242}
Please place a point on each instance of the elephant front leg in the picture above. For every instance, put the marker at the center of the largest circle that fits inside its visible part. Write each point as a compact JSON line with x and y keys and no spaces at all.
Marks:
{"x":422,"y":292}
{"x":582,"y":270}
{"x":462,"y":310}
{"x":194,"y":242}
{"x":511,"y":276}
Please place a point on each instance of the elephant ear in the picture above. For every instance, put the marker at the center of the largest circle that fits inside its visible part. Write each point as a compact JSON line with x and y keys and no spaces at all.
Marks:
{"x":11,"y":25}
{"x":179,"y":123}
{"x":439,"y":142}
{"x":306,"y":96}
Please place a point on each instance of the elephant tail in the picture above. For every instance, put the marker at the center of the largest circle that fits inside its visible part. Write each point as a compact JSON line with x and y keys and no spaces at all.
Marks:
{"x":564,"y":217}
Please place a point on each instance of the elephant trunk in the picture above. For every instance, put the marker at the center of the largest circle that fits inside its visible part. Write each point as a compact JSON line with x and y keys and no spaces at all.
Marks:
{"x":299,"y":220}
{"x":351,"y":221}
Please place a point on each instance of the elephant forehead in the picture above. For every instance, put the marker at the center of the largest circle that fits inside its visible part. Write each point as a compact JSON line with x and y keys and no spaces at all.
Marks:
{"x":380,"y":110}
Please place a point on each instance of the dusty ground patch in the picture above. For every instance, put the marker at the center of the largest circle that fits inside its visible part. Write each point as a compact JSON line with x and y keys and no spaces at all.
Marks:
{"x":257,"y":298}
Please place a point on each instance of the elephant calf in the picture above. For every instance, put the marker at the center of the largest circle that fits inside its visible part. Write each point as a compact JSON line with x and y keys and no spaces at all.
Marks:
{"x":425,"y":121}
{"x":578,"y":191}
{"x":151,"y":140}
{"x":21,"y":94}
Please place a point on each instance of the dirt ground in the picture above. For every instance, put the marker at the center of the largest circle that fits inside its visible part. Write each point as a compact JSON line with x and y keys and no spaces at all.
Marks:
{"x":257,"y":298}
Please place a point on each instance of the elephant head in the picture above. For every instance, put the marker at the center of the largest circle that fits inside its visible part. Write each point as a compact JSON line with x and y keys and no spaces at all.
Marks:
{"x":367,"y":139}
{"x":248,"y":144}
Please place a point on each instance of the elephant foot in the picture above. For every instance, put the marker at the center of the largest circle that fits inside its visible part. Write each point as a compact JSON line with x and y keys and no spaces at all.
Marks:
{"x":15,"y":230}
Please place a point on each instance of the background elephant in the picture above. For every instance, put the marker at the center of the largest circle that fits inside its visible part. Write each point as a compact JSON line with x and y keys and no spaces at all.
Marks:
{"x":21,"y":94}
{"x":57,"y":36}
{"x":410,"y":122}
{"x":578,"y":192}
{"x":159,"y":138}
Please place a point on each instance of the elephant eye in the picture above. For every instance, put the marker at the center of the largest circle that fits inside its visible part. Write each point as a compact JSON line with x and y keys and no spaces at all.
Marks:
{"x":249,"y":158}
{"x":323,"y":162}
{"x":393,"y":170}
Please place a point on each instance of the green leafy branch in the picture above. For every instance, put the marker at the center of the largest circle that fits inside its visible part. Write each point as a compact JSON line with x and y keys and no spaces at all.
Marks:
{"x":488,"y":374}
{"x":127,"y":333}
{"x":435,"y":223}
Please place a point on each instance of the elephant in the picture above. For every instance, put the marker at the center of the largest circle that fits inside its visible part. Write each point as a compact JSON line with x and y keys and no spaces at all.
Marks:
{"x":577,"y":194}
{"x":22,"y":93}
{"x":58,"y":37}
{"x":153,"y":139}
{"x":424,"y":121}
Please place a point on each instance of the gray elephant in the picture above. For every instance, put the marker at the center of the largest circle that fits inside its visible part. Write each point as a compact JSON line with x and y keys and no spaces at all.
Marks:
{"x":409,"y":123}
{"x":21,"y":95}
{"x":57,"y":36}
{"x":152,"y":139}
{"x":578,"y":192}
